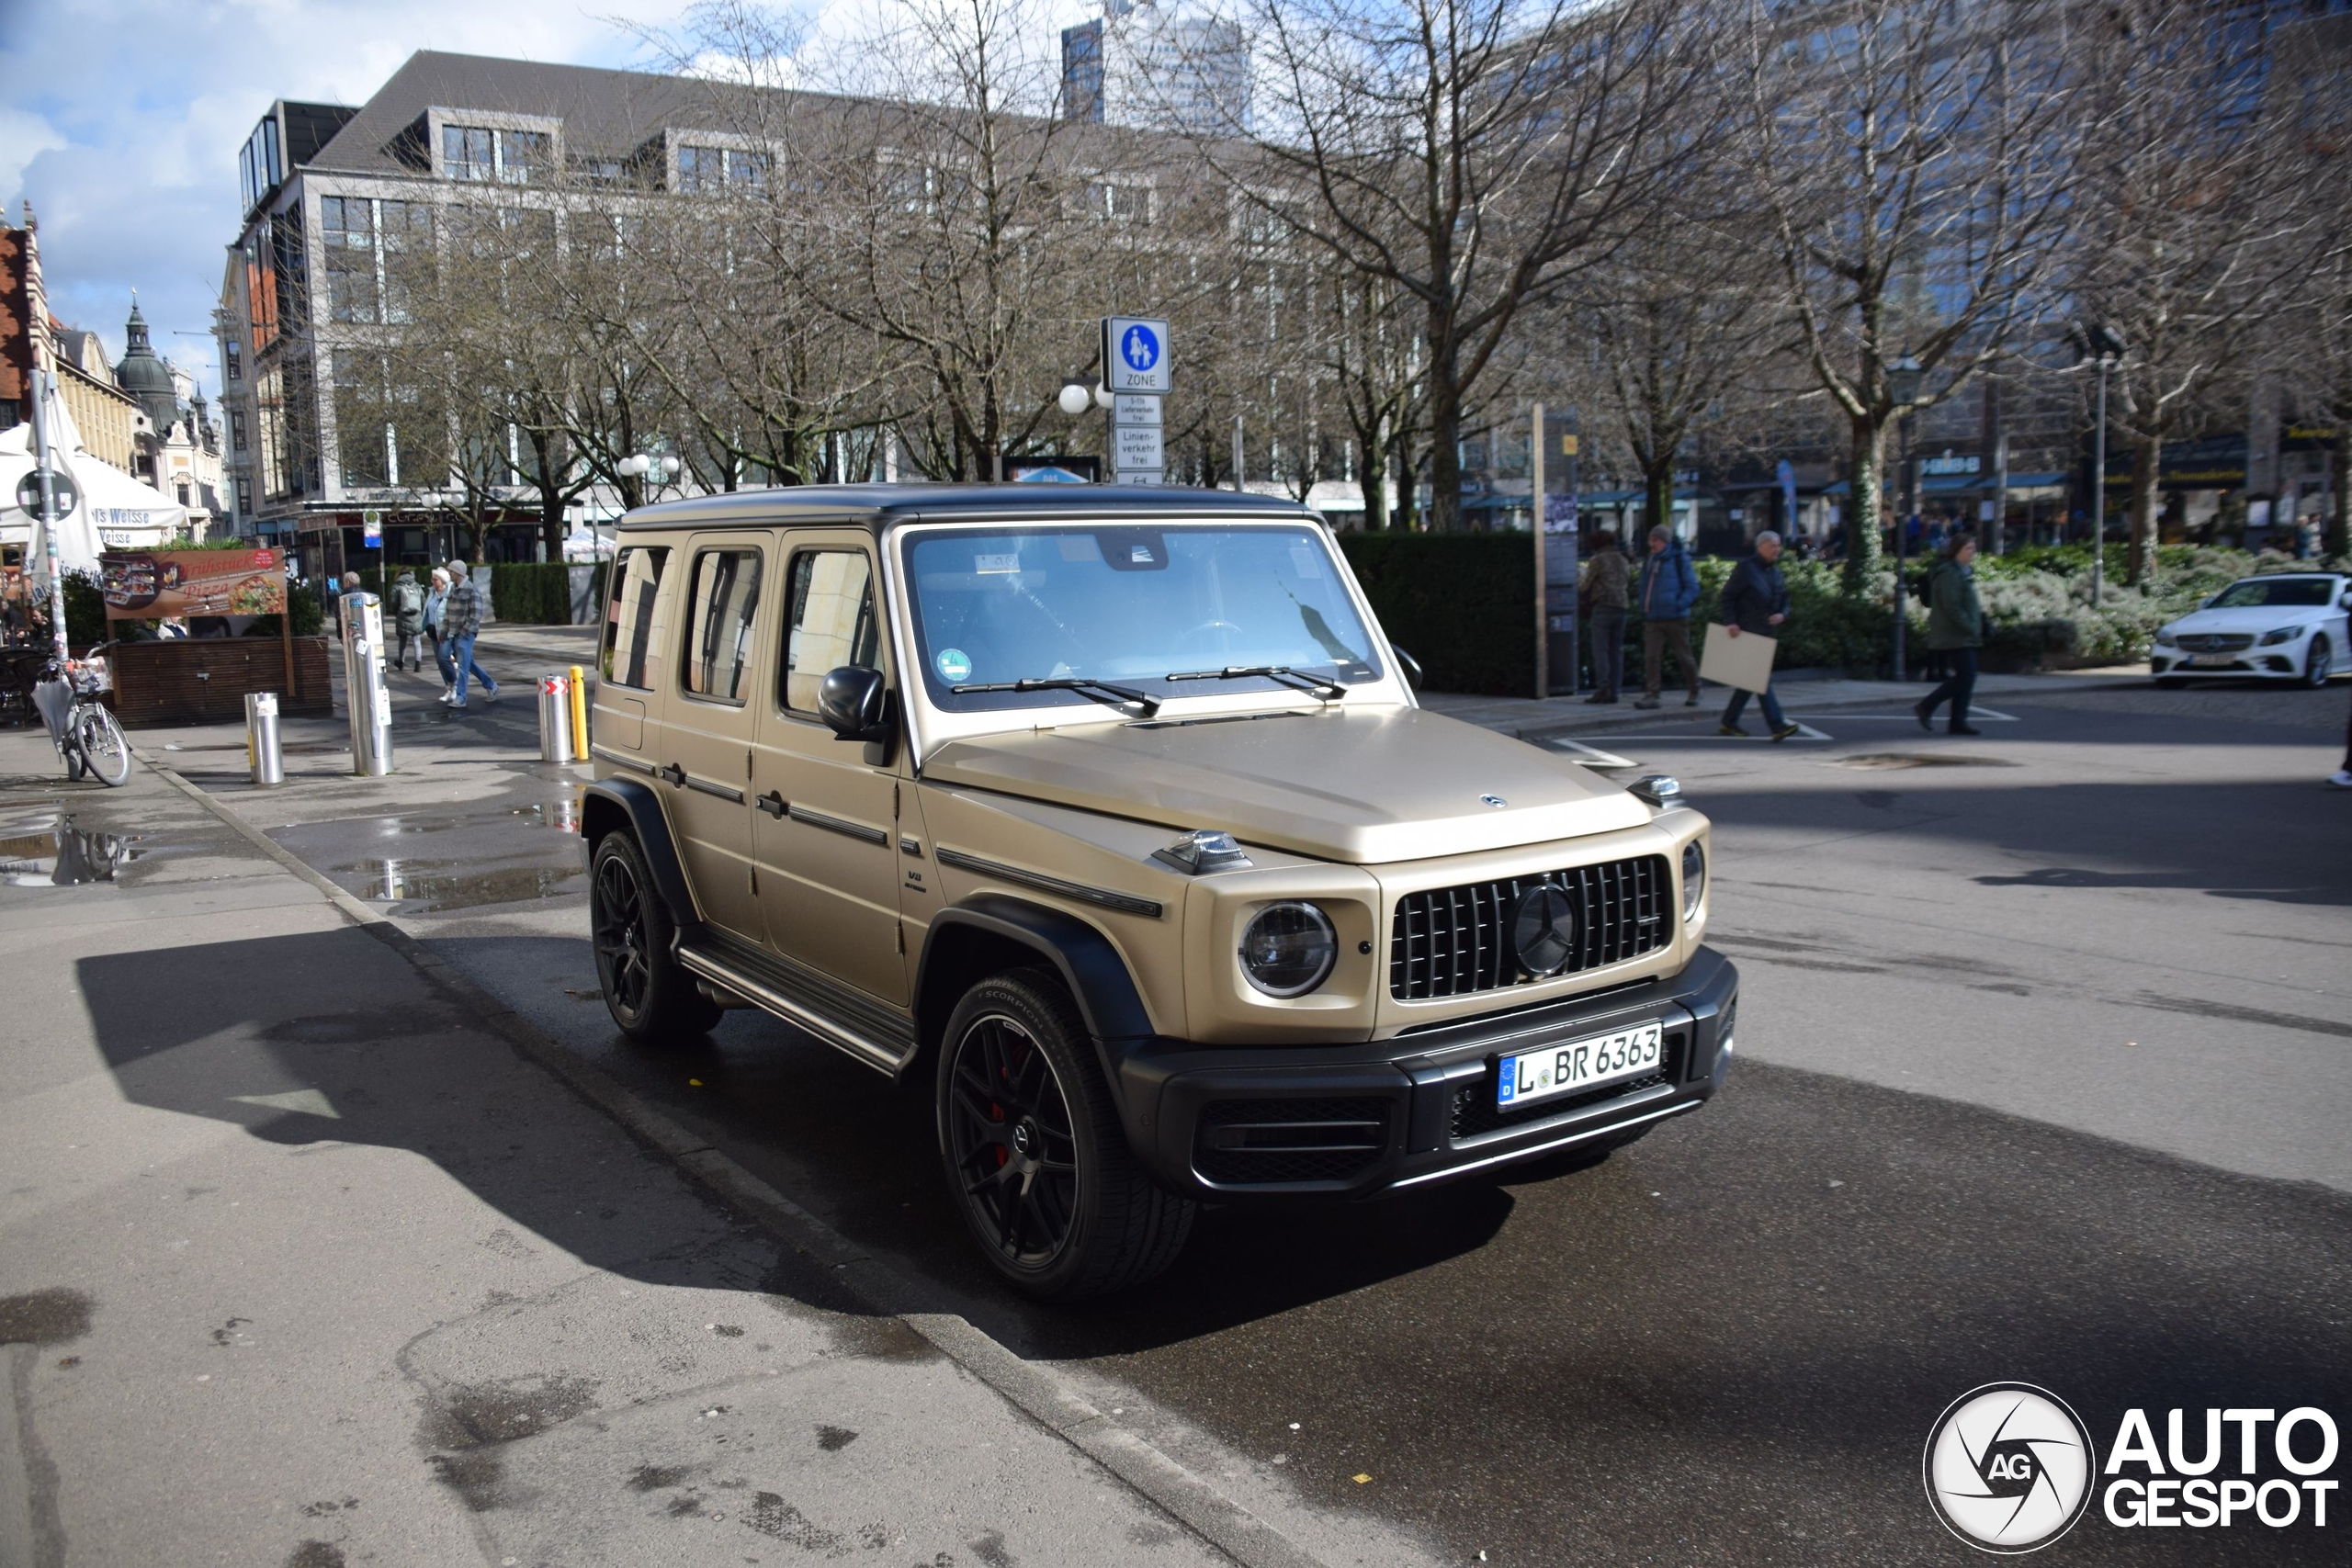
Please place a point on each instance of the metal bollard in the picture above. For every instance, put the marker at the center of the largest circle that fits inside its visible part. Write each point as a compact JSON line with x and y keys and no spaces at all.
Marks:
{"x":578,"y":714}
{"x":363,"y":686}
{"x":264,"y":756}
{"x":555,"y":719}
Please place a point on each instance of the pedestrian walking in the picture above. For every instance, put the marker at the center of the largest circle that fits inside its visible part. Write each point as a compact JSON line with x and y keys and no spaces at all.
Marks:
{"x":1756,"y":601}
{"x":1955,"y":632}
{"x":433,"y":601}
{"x":407,"y":604}
{"x":460,"y":624}
{"x":1604,"y":594}
{"x":1669,"y":588}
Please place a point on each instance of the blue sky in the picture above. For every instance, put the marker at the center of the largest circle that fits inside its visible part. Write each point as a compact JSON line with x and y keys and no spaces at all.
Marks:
{"x":120,"y":120}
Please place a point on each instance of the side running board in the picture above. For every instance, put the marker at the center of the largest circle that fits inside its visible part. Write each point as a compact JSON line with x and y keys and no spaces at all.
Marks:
{"x":859,"y":1028}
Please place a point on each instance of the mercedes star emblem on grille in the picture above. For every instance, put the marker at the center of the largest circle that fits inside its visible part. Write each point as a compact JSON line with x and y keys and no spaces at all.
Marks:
{"x":1544,"y":930}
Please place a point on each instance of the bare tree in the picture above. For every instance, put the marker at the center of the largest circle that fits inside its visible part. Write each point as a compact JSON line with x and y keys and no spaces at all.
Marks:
{"x":1471,"y":155}
{"x":1913,"y":164}
{"x":2188,"y":235}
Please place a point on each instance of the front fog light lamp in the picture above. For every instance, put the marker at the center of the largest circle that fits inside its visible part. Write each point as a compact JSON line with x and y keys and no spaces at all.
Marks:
{"x":1288,"y":949}
{"x":1694,"y":877}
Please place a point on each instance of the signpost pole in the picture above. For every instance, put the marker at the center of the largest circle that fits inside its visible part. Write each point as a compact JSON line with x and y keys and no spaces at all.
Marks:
{"x":1543,"y":620}
{"x":45,"y":388}
{"x":286,"y":622}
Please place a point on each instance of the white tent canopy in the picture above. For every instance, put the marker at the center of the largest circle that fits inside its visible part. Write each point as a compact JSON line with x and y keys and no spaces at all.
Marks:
{"x":116,"y":512}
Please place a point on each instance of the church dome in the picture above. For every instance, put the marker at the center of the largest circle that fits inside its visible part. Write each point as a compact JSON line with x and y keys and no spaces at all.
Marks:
{"x":145,"y":377}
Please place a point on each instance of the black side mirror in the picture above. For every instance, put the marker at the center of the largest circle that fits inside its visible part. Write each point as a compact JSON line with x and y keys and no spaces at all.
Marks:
{"x":855,"y":703}
{"x":1409,"y":665}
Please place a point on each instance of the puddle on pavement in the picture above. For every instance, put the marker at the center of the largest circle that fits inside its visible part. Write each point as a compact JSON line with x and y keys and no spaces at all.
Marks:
{"x":51,"y":850}
{"x":1880,"y":759}
{"x":563,"y":815}
{"x":427,"y":885}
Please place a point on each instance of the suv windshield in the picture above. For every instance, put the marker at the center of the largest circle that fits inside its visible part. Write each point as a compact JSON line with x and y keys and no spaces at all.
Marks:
{"x":2295,"y":593}
{"x":1130,"y":606}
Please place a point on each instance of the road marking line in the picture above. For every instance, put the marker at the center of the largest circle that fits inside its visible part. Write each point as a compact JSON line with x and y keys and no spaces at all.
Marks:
{"x":1594,"y":757}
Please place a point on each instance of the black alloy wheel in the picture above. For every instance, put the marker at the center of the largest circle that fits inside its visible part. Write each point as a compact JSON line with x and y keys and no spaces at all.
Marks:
{"x":1035,"y":1155}
{"x":650,"y":995}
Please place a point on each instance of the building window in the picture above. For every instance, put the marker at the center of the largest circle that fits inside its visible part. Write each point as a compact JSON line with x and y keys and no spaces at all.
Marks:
{"x":187,"y":496}
{"x":362,"y":423}
{"x":523,"y":156}
{"x":712,"y":169}
{"x":467,"y":153}
{"x":236,"y":430}
{"x":232,"y":354}
{"x":244,"y":496}
{"x":347,"y":226}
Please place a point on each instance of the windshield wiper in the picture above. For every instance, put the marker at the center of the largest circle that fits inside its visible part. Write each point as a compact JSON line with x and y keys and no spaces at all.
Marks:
{"x":1101,"y":691}
{"x":1283,"y":674}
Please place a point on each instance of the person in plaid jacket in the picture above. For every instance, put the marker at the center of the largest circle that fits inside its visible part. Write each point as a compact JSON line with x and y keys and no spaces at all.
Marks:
{"x":460,"y":624}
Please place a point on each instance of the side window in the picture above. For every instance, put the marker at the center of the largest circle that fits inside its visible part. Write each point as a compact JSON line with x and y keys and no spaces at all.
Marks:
{"x":726,"y":596}
{"x":629,"y":616}
{"x":832,"y":622}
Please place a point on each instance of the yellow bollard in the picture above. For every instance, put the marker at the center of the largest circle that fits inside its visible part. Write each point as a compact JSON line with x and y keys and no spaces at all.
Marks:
{"x":579,"y":714}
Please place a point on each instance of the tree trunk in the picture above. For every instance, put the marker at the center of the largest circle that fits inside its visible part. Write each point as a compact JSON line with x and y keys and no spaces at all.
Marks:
{"x":1657,"y":502}
{"x":1865,"y":472}
{"x":1445,"y":435}
{"x":1408,"y":491}
{"x":2336,"y":528}
{"x":1372,"y":479}
{"x":2145,"y":450}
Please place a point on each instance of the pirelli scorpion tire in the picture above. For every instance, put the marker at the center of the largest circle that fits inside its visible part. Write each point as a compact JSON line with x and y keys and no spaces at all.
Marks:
{"x":1036,"y":1161}
{"x":649,"y":993}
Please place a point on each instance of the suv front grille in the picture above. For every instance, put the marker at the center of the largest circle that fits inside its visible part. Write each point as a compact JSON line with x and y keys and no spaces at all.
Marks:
{"x":1264,"y":1142}
{"x":1454,"y":942}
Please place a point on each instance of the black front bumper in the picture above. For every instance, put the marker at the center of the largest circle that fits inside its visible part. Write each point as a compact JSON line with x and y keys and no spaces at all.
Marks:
{"x":1227,"y":1122}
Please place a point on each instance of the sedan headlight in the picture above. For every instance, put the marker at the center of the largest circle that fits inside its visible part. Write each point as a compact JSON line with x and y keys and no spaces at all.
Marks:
{"x":1694,"y":878}
{"x":2165,"y":639}
{"x":2284,"y":634}
{"x":1288,"y":949}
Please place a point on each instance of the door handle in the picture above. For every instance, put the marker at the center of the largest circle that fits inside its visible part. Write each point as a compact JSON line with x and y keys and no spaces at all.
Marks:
{"x":773,"y":804}
{"x":675,"y":774}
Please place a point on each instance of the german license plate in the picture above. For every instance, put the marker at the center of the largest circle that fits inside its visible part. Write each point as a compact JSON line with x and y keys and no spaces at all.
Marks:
{"x":2213,"y":660}
{"x":1579,"y":1065}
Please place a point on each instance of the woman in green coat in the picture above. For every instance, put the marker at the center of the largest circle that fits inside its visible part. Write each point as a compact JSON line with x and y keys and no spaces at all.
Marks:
{"x":1956,"y":630}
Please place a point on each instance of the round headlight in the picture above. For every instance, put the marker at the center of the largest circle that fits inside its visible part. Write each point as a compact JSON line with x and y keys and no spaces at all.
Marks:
{"x":1694,"y":877}
{"x":1287,"y":949}
{"x":2165,"y":637}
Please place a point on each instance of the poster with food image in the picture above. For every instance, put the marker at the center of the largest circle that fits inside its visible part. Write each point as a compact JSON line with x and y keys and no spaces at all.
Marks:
{"x":140,"y":585}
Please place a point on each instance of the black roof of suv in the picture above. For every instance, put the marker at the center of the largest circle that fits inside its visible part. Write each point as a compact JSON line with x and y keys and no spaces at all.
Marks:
{"x":876,"y":506}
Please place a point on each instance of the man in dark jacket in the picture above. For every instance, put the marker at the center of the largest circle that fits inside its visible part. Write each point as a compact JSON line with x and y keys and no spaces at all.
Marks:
{"x":1670,"y":587}
{"x":1604,"y":594}
{"x":1756,"y":601}
{"x":1956,"y":630}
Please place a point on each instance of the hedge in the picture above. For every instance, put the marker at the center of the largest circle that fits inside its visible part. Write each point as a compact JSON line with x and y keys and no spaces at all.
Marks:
{"x":538,"y":592}
{"x":1463,"y":604}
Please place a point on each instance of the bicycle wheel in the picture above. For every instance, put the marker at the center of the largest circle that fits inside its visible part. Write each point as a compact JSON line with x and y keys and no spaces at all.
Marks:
{"x":104,"y":750}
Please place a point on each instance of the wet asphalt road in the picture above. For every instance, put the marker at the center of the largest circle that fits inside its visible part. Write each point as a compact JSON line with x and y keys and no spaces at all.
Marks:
{"x":2047,"y":1068}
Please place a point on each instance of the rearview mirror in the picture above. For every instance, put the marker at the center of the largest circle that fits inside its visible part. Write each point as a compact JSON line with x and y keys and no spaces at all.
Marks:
{"x":855,"y":703}
{"x":1409,"y":665}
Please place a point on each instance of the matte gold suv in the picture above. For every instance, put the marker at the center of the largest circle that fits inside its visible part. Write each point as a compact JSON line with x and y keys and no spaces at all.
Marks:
{"x":1111,"y":814}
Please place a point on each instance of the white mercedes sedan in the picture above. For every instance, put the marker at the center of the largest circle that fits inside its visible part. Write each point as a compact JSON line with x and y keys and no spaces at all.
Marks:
{"x":2281,"y":626}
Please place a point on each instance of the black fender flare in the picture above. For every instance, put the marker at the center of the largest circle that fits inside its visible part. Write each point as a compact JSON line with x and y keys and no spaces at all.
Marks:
{"x":611,"y":804}
{"x":1090,"y":966}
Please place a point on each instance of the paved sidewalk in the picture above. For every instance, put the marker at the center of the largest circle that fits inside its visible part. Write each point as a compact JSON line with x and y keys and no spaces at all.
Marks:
{"x":301,"y":1263}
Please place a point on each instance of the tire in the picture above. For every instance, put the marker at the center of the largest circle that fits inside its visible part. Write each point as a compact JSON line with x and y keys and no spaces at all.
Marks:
{"x":652,"y":999}
{"x":1035,"y":1159}
{"x":104,"y":750}
{"x":2172,"y":683}
{"x":2319,"y":663}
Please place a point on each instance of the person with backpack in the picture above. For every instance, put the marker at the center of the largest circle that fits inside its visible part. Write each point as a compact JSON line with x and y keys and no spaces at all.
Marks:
{"x":1756,"y":600}
{"x":1669,"y":588}
{"x":407,"y":605}
{"x":1955,"y":630}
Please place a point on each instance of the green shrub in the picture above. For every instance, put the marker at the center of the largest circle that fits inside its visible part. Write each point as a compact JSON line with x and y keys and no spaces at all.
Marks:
{"x":537,"y":594}
{"x":1463,"y":604}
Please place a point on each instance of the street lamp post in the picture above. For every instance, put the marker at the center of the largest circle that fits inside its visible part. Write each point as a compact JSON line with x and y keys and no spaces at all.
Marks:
{"x":2104,"y":343}
{"x":1902,"y":377}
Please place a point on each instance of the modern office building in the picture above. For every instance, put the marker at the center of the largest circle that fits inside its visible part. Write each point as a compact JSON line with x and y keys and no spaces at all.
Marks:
{"x":1157,"y":70}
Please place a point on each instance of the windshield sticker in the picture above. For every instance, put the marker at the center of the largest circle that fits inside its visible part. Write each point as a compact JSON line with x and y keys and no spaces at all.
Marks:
{"x":953,"y":664}
{"x":1140,"y":554}
{"x":984,"y":565}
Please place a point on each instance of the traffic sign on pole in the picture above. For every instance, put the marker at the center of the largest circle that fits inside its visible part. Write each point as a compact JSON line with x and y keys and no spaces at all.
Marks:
{"x":1135,"y":409}
{"x":1136,"y":448}
{"x":63,"y":494}
{"x":1135,"y":354}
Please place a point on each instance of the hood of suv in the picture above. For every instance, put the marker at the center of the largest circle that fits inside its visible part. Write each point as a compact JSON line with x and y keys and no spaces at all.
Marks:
{"x":1360,"y":785}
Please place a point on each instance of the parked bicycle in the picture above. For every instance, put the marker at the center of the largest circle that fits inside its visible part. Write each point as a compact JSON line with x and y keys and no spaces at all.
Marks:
{"x":82,"y":727}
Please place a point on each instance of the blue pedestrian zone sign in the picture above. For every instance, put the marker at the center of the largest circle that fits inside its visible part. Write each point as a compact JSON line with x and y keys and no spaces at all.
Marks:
{"x":1135,"y":353}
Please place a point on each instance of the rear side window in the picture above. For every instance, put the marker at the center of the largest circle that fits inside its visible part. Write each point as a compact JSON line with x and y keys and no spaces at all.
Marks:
{"x":725,"y":599}
{"x":629,"y":616}
{"x":832,"y":622}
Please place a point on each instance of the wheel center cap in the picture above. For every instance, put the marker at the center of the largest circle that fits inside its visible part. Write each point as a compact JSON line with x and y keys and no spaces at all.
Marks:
{"x":1025,"y":1138}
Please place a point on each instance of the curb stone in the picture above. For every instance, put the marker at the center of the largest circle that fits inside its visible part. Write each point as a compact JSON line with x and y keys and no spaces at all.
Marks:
{"x":1037,"y":1392}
